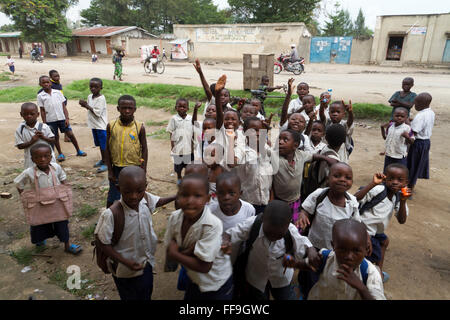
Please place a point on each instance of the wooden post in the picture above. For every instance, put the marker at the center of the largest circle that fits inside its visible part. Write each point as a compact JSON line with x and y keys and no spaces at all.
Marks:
{"x":252,"y":76}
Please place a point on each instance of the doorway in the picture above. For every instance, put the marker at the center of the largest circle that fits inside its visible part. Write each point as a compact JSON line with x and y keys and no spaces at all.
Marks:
{"x":395,"y":47}
{"x":92,"y":43}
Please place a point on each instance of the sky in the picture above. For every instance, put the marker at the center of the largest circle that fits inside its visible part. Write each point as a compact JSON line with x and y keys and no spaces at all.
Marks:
{"x":371,"y":8}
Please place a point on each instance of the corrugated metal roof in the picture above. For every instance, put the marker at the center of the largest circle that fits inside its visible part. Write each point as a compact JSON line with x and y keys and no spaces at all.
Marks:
{"x":105,"y":31}
{"x":14,"y":34}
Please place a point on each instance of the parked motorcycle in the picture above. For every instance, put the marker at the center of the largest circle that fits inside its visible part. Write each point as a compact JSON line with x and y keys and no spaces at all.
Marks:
{"x":283,"y":62}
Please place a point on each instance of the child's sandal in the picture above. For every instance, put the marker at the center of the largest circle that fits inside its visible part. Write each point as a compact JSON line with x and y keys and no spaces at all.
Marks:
{"x":74,"y":249}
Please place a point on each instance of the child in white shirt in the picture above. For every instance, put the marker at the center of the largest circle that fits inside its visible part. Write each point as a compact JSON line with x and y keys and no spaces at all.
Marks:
{"x":97,"y":119}
{"x":10,"y":64}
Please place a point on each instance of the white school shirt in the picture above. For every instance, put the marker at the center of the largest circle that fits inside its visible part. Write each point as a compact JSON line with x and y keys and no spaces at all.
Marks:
{"x":317,"y":112}
{"x":266,"y":257}
{"x":396,"y":146}
{"x":316,"y":149}
{"x":343,"y":154}
{"x":99,"y":118}
{"x":255,"y":173}
{"x":53,"y":105}
{"x":206,"y":235}
{"x":138,"y":241}
{"x":423,"y":124}
{"x":10,"y":62}
{"x":213,"y":101}
{"x":246,"y":211}
{"x":329,"y":287}
{"x":294,"y":105}
{"x":222,"y":139}
{"x":182,"y":134}
{"x":260,"y":116}
{"x":324,"y":167}
{"x":377,"y":219}
{"x":25,"y":180}
{"x":326,"y":215}
{"x":24,"y":135}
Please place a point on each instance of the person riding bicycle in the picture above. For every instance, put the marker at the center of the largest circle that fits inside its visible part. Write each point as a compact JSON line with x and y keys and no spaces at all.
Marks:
{"x":154,"y":55}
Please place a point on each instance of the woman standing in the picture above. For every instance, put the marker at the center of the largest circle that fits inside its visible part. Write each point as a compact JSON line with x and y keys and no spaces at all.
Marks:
{"x":117,"y":60}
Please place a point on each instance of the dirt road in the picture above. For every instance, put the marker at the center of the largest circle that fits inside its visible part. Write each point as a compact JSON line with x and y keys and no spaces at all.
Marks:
{"x":418,"y":258}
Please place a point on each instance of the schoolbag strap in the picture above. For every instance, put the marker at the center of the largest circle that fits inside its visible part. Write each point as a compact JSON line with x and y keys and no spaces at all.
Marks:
{"x":321,"y":197}
{"x":325,"y":254}
{"x":375,"y":200}
{"x":363,"y":268}
{"x":21,"y":127}
{"x":40,"y":125}
{"x":119,"y":221}
{"x":254,"y":231}
{"x":288,"y":243}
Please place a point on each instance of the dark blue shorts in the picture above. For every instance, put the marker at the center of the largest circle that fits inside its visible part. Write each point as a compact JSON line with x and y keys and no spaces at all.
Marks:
{"x":45,"y":231}
{"x":99,"y":138}
{"x":376,"y":240}
{"x":12,"y":68}
{"x":193,"y":292}
{"x":137,"y":288}
{"x":113,"y":193}
{"x":61,"y":125}
{"x":181,"y":162}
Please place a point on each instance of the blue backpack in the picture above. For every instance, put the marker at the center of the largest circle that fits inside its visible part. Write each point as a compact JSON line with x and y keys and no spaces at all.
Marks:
{"x":362,"y":267}
{"x":376,"y":200}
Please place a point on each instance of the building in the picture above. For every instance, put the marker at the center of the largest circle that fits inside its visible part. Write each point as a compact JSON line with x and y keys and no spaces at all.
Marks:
{"x":412,"y":39}
{"x":102,"y":40}
{"x":10,"y":42}
{"x":231,"y":41}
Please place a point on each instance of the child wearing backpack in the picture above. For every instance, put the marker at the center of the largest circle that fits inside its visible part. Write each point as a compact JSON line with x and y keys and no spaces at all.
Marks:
{"x":378,"y":201}
{"x":193,"y":239}
{"x":259,"y":269}
{"x":344,"y":273}
{"x":31,"y":131}
{"x":126,"y":238}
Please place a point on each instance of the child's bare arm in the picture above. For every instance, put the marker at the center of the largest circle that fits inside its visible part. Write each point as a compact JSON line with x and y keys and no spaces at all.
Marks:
{"x":330,"y":161}
{"x":322,"y":116}
{"x":190,"y":262}
{"x":408,"y":139}
{"x":113,"y":254}
{"x":194,"y":115}
{"x":378,"y":178}
{"x":287,"y":99}
{"x":108,"y":155}
{"x":383,"y":132}
{"x":144,"y":148}
{"x":312,"y":117}
{"x":43,"y":115}
{"x":163,"y":201}
{"x":349,"y":109}
{"x":205,"y":85}
{"x":347,"y":275}
{"x":219,"y":108}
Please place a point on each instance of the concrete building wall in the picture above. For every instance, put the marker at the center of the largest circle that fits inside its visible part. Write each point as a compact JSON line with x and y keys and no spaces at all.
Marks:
{"x":361,"y":50}
{"x":426,"y":47}
{"x":230,"y":42}
{"x":134,"y":45}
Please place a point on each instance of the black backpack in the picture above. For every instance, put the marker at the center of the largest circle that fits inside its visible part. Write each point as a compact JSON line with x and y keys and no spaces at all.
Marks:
{"x":311,"y":180}
{"x":242,"y":260}
{"x":376,"y":200}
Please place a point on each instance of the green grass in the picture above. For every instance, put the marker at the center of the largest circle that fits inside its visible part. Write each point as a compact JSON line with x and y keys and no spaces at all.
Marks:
{"x":157,"y":123}
{"x":88,"y":232}
{"x":160,"y":134}
{"x":23,"y":255}
{"x":163,"y":96}
{"x":86,"y":211}
{"x":59,"y":277}
{"x":5,"y":76}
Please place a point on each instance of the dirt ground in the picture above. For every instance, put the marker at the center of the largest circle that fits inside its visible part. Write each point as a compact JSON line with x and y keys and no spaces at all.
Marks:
{"x":418,"y":258}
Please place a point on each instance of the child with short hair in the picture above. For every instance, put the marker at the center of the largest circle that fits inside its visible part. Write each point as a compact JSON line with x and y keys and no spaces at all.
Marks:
{"x":214,"y":168}
{"x":344,"y":273}
{"x":325,"y":99}
{"x":288,"y":167}
{"x":337,"y":111}
{"x":97,"y":119}
{"x":181,"y":132}
{"x":378,"y":201}
{"x":264,"y":87}
{"x":404,"y":98}
{"x":260,"y":266}
{"x":193,"y":238}
{"x":132,"y":259}
{"x":422,"y":127}
{"x":54,"y":113}
{"x":257,"y":103}
{"x":316,"y":143}
{"x":397,"y":138}
{"x":126,"y":145}
{"x":295,"y":105}
{"x":10,"y":64}
{"x":48,"y":174}
{"x":32,"y":131}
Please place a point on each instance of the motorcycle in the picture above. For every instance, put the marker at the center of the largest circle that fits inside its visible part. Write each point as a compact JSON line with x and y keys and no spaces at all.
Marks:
{"x":37,"y":57}
{"x":283,"y":62}
{"x":159,"y":65}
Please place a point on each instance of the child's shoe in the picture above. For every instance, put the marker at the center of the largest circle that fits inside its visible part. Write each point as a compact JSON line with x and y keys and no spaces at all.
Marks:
{"x":386,"y":277}
{"x":41,"y":244}
{"x":102,"y":168}
{"x":74,"y":249}
{"x":61,"y":157}
{"x":81,"y":154}
{"x":99,"y":164}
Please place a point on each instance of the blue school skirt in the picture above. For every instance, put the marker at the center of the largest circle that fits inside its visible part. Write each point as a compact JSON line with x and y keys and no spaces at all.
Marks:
{"x":419,"y":161}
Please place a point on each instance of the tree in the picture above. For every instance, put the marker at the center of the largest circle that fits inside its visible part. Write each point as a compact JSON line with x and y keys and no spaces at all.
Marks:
{"x":360,"y":31}
{"x":265,"y":11}
{"x":8,"y":28}
{"x":339,"y":24}
{"x":91,"y":16}
{"x":39,"y":20}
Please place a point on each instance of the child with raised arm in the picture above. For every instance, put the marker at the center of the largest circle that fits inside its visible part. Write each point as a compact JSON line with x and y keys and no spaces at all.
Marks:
{"x":378,"y":201}
{"x":324,"y":102}
{"x":181,"y":131}
{"x":397,"y":138}
{"x":126,"y":145}
{"x":260,"y":269}
{"x":422,"y":127}
{"x":344,"y":273}
{"x":54,"y":113}
{"x":48,"y":174}
{"x":97,"y":119}
{"x":296,"y":105}
{"x":131,"y":259}
{"x":193,"y":239}
{"x":337,"y":113}
{"x":264,"y":87}
{"x":32,"y":131}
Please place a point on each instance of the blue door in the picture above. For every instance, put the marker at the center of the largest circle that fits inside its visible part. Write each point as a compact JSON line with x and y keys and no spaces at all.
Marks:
{"x":330,"y":49}
{"x":446,"y":57}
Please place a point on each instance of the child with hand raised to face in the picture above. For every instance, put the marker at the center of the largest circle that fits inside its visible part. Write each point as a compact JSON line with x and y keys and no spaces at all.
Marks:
{"x":378,"y":201}
{"x":344,"y":273}
{"x":296,"y":105}
{"x":132,"y":259}
{"x":32,"y":131}
{"x":193,"y":238}
{"x":260,"y":270}
{"x":97,"y":119}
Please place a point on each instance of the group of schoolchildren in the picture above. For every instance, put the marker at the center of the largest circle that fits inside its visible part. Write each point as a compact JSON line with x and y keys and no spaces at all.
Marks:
{"x":255,"y":202}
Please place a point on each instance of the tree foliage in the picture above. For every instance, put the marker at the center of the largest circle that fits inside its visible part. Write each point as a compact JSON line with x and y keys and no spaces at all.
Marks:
{"x":360,"y":31}
{"x":39,"y":20}
{"x":8,"y":28}
{"x":266,"y":11}
{"x":339,"y":23}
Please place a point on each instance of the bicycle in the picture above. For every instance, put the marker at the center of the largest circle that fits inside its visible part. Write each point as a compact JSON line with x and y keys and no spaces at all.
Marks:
{"x":160,"y":67}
